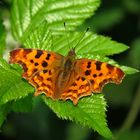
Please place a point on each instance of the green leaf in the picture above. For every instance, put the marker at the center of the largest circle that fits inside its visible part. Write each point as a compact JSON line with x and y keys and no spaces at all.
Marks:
{"x":2,"y":39}
{"x":12,"y":86}
{"x":23,"y":105}
{"x":90,"y":111}
{"x":26,"y":15}
{"x":39,"y":38}
{"x":129,"y":70}
{"x":90,"y":44}
{"x":4,"y":109}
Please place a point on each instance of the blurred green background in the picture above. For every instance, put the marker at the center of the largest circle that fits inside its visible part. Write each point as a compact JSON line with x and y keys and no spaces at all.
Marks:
{"x":120,"y":20}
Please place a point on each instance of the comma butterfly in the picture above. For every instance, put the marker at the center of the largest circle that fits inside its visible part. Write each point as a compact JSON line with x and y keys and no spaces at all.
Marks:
{"x":64,"y":77}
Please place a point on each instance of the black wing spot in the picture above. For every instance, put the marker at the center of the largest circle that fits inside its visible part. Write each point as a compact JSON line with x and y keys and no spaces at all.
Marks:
{"x":89,"y":65}
{"x":92,"y":81}
{"x":83,"y":79}
{"x":44,"y":64}
{"x":48,"y":56}
{"x":45,"y":71}
{"x":87,"y":72}
{"x":100,"y":74}
{"x":98,"y":65}
{"x":94,"y":75}
{"x":32,"y":61}
{"x":39,"y":53}
{"x":36,"y":64}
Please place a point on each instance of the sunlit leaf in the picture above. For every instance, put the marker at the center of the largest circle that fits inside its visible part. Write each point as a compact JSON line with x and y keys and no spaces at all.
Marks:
{"x":26,"y":15}
{"x":90,"y":111}
{"x":12,"y":86}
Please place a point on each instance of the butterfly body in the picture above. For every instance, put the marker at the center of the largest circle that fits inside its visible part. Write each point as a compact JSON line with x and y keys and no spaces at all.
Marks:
{"x":64,"y":77}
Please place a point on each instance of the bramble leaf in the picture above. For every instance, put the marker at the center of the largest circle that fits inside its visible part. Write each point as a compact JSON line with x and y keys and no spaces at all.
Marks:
{"x":90,"y":111}
{"x":12,"y":86}
{"x":27,"y":15}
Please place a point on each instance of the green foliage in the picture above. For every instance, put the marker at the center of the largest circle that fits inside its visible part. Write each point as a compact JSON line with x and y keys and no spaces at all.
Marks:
{"x":40,"y":38}
{"x":2,"y":39}
{"x":28,"y":14}
{"x":39,"y":25}
{"x":23,"y":105}
{"x":4,"y":109}
{"x":12,"y":88}
{"x":90,"y":111}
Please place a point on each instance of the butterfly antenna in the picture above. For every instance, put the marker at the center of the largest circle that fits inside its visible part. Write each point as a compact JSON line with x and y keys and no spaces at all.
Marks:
{"x":67,"y":35}
{"x":81,"y":38}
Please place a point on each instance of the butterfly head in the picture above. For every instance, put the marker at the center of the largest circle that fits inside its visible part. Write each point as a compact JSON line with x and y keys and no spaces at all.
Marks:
{"x":71,"y":53}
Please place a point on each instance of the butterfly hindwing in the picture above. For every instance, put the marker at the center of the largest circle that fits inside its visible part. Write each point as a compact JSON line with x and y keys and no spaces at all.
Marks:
{"x":79,"y":88}
{"x":99,"y":73}
{"x":43,"y":81}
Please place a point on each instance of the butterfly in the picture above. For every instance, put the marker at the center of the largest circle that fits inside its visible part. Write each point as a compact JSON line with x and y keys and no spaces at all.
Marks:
{"x":64,"y":77}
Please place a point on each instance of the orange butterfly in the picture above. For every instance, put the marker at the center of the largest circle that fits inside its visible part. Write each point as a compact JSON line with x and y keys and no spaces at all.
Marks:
{"x":64,"y":77}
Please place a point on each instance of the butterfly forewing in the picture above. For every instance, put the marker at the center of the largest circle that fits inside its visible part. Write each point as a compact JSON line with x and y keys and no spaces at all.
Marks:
{"x":40,"y":68}
{"x":34,"y":60}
